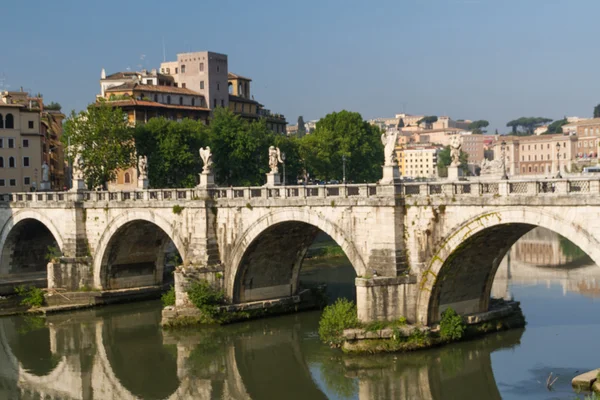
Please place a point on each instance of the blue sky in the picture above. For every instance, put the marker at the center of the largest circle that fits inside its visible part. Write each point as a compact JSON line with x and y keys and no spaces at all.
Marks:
{"x":476,"y":59}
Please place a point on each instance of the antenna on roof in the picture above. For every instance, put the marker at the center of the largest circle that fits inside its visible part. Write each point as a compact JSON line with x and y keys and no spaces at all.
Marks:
{"x":164,"y":51}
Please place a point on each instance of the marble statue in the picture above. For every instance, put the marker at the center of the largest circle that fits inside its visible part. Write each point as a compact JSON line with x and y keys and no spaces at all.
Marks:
{"x":491,"y":167}
{"x":78,"y":166}
{"x":455,"y":147}
{"x":389,"y":139}
{"x":143,"y":167}
{"x":45,"y":172}
{"x":274,"y":159}
{"x":206,"y":157}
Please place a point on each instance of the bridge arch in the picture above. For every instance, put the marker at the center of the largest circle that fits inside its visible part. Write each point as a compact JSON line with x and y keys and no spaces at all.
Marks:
{"x":125,"y":225}
{"x":25,"y":236}
{"x":461,"y":271}
{"x":282,"y":235}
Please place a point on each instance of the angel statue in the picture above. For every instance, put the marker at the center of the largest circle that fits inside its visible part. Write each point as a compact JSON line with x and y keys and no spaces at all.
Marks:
{"x":143,"y":167}
{"x":455,"y":147}
{"x":206,"y":157}
{"x":78,"y":166}
{"x":389,"y":139}
{"x":274,"y":159}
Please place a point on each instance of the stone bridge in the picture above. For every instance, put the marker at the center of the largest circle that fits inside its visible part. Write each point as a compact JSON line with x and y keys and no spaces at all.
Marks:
{"x":417,"y":248}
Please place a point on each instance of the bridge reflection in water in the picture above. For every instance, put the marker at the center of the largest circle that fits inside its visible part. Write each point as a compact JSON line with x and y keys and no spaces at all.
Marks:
{"x":120,"y":352}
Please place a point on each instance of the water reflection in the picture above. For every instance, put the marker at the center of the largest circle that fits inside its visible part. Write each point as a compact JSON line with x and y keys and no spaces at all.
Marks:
{"x":120,"y":352}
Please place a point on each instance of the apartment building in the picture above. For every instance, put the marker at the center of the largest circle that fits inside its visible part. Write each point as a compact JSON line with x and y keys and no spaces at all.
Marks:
{"x":418,"y":161}
{"x":473,"y":145}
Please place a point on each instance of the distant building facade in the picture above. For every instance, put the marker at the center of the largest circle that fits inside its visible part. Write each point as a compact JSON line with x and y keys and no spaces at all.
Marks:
{"x":418,"y":161}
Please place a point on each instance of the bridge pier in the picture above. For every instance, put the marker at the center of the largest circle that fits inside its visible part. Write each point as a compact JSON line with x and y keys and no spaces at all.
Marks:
{"x":70,"y":274}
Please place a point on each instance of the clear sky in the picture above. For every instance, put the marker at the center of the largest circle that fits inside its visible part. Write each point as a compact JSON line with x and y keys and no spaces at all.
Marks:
{"x":471,"y":59}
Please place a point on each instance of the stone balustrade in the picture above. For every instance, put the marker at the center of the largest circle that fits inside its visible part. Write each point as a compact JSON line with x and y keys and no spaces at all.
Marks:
{"x":443,"y":188}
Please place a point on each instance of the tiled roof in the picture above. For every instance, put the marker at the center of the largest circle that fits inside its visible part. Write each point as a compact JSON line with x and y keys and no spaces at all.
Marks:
{"x":145,"y":103}
{"x":231,"y":75}
{"x":153,"y":89}
{"x":121,"y":75}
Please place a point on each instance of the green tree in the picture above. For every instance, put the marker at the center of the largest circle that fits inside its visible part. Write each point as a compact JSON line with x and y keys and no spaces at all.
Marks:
{"x":103,"y":138}
{"x":597,"y":111}
{"x":301,"y":128}
{"x":172,"y":150}
{"x":476,"y":126}
{"x":444,"y":160}
{"x":528,"y":124}
{"x":341,"y":134}
{"x":428,"y":120}
{"x":556,"y":126}
{"x":401,"y":123}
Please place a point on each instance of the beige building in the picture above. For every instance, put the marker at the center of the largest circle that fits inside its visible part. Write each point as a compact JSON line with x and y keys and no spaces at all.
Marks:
{"x":20,"y":144}
{"x":473,"y":145}
{"x":418,"y":161}
{"x":445,"y":122}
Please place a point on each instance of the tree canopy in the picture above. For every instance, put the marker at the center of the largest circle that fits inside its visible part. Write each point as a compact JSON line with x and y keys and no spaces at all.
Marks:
{"x":301,"y":127}
{"x":528,"y":124}
{"x":597,"y":111}
{"x":556,"y":126}
{"x":476,"y":126}
{"x":103,"y":138}
{"x":401,"y":123}
{"x":345,"y":134}
{"x":428,"y":120}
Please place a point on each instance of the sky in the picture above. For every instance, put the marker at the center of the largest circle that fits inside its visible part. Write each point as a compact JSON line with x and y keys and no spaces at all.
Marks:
{"x":470,"y":59}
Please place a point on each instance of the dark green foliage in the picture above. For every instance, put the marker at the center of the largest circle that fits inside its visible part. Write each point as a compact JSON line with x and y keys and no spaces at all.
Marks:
{"x":206,"y":298}
{"x":528,"y":124}
{"x":597,"y":111}
{"x":340,"y":134}
{"x":301,"y":128}
{"x":444,"y":160}
{"x":177,"y":209}
{"x":53,"y":106}
{"x":428,"y":120}
{"x":476,"y":126}
{"x":570,"y":249}
{"x":172,"y":150}
{"x":168,"y":298}
{"x":103,"y":138}
{"x":53,"y":253}
{"x":452,"y":325}
{"x":32,"y":296}
{"x":335,"y":318}
{"x":401,"y":123}
{"x":556,"y":126}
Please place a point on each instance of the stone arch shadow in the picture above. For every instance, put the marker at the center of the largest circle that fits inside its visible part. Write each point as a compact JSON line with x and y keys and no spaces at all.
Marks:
{"x":18,"y":224}
{"x":451,"y":280}
{"x":114,"y":230}
{"x":286,"y":234}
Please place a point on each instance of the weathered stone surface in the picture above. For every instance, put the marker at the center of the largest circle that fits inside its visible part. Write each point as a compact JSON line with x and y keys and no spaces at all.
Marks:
{"x":586,"y":380}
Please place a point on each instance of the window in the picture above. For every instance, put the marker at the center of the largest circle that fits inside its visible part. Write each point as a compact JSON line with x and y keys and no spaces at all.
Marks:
{"x":2,"y":182}
{"x":1,"y":143}
{"x":11,"y":162}
{"x":26,"y":180}
{"x":12,"y":182}
{"x":127,"y":177}
{"x":218,"y":68}
{"x":180,"y":100}
{"x":214,"y":103}
{"x":11,"y":143}
{"x":168,"y":99}
{"x":26,"y":161}
{"x":25,"y":142}
{"x":1,"y":162}
{"x":193,"y":101}
{"x":1,"y":122}
{"x":222,"y":103}
{"x":201,"y":85}
{"x":30,"y":124}
{"x":201,"y":67}
{"x":10,"y":121}
{"x":183,"y":85}
{"x":182,"y":69}
{"x":156,"y":98}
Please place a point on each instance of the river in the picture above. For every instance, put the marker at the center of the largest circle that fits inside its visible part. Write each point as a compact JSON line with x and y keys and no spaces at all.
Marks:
{"x":120,"y":352}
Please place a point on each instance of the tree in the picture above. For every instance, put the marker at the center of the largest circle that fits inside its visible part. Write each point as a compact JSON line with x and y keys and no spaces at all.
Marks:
{"x":428,"y":120}
{"x":401,"y":123}
{"x":172,"y":150}
{"x":104,"y":140}
{"x":597,"y":111}
{"x":476,"y":126}
{"x":556,"y":126}
{"x":301,"y":127}
{"x":528,"y":124}
{"x":444,"y":160}
{"x":343,"y":134}
{"x":53,"y":106}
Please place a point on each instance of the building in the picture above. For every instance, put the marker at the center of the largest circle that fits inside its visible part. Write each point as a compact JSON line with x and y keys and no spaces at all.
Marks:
{"x":20,"y":143}
{"x":445,"y":122}
{"x":473,"y":145}
{"x":418,"y":161}
{"x":537,"y":155}
{"x":291,"y":130}
{"x":583,"y":127}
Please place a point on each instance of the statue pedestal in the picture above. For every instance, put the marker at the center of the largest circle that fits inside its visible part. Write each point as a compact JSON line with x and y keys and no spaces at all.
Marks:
{"x":391,"y":175}
{"x":142,"y":183}
{"x":454,"y":173}
{"x":45,"y":186}
{"x":273,"y":179}
{"x":207,"y":179}
{"x":78,"y":185}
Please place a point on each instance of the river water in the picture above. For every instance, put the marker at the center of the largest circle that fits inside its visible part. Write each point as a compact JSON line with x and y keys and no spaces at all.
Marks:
{"x":120,"y":352}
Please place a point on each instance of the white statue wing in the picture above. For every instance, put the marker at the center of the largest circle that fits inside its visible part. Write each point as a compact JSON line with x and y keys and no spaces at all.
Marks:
{"x":383,"y":139}
{"x":203,"y":154}
{"x":278,"y":155}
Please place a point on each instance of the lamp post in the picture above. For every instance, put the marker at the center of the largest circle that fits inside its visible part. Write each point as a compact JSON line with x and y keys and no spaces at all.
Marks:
{"x":283,"y":159}
{"x":344,"y":168}
{"x":558,"y":175}
{"x":503,"y":148}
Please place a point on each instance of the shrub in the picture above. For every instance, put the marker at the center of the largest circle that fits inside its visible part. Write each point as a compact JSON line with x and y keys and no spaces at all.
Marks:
{"x":168,"y":298}
{"x":177,"y":209}
{"x":206,"y":298}
{"x":335,"y":318}
{"x":53,"y":253}
{"x":32,"y":296}
{"x":452,"y":326}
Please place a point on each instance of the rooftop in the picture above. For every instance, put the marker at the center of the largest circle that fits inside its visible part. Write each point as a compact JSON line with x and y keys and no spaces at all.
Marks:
{"x":134,"y":86}
{"x":231,"y":75}
{"x":146,"y":103}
